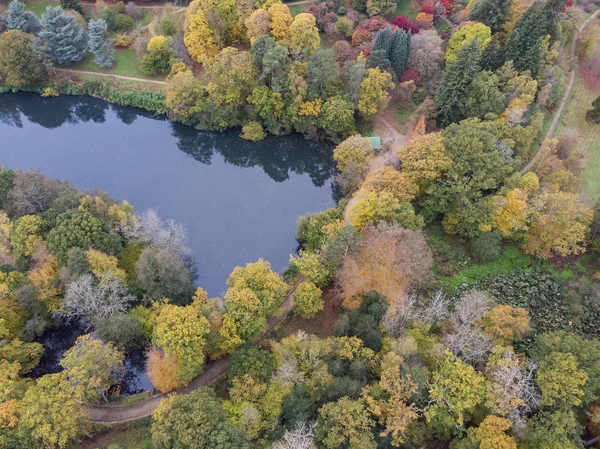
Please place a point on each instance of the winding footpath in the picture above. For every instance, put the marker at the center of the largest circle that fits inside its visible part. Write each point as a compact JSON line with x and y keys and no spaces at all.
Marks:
{"x":563,"y":103}
{"x":115,"y":414}
{"x":110,"y":75}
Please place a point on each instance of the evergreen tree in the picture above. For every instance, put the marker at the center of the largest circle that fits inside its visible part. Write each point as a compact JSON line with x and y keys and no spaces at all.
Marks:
{"x":378,"y":59}
{"x":492,"y":56}
{"x":65,"y":38}
{"x":490,"y":12}
{"x":71,"y":4}
{"x":593,"y":115}
{"x":524,"y":43}
{"x":383,"y":41}
{"x":19,"y":19}
{"x":400,"y":50}
{"x":104,"y":53}
{"x":455,"y":82}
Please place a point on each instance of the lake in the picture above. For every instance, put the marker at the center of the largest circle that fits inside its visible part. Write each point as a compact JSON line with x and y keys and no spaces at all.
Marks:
{"x":239,"y":200}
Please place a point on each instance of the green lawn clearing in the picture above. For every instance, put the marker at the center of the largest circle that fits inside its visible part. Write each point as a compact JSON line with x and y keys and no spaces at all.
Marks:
{"x":39,"y":6}
{"x":588,"y":134}
{"x":405,"y":8}
{"x":126,"y":64}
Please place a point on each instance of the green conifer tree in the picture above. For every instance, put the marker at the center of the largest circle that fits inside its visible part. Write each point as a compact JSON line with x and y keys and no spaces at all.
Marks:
{"x":493,"y":13}
{"x":64,"y":37}
{"x":400,"y":50}
{"x":100,"y":46}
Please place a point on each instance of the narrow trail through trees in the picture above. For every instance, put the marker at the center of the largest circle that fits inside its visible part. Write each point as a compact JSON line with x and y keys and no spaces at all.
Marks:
{"x":563,"y":103}
{"x":107,"y":414}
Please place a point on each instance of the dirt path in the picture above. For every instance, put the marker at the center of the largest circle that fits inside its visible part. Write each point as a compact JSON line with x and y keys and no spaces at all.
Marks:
{"x":110,"y":75}
{"x":393,"y":140}
{"x":106,"y":414}
{"x":563,"y":103}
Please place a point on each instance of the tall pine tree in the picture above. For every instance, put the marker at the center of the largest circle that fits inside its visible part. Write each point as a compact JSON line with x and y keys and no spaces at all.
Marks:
{"x":493,"y":13}
{"x":400,"y":50}
{"x":383,"y":41}
{"x":492,"y":56}
{"x":19,"y":19}
{"x":100,"y":46}
{"x":456,"y":79}
{"x":64,"y":37}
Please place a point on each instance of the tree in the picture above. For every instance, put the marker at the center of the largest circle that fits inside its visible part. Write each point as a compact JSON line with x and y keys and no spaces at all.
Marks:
{"x":389,"y":261}
{"x":559,"y":223}
{"x":104,"y":53}
{"x":281,"y":21}
{"x":163,"y":370}
{"x":258,"y":25}
{"x":71,"y":4}
{"x":381,"y":7}
{"x":464,"y":36}
{"x":390,"y":180}
{"x":493,"y":13}
{"x":19,"y":19}
{"x":345,"y":27}
{"x":185,"y":98}
{"x":455,"y":82}
{"x":254,"y":362}
{"x":322,"y":74}
{"x":505,"y":324}
{"x":86,"y":302}
{"x":276,"y":64}
{"x":373,"y":95}
{"x":93,"y":365}
{"x":161,"y":274}
{"x":426,"y":54}
{"x":301,"y":437}
{"x":197,"y":34}
{"x":181,"y":331}
{"x":254,"y":293}
{"x":103,"y":266}
{"x":560,"y":380}
{"x":424,"y":160}
{"x":158,"y":56}
{"x":304,"y":34}
{"x":456,"y":389}
{"x":345,"y":423}
{"x":491,"y":433}
{"x":510,"y":388}
{"x":194,"y":420}
{"x":308,"y":300}
{"x":593,"y":115}
{"x":354,"y":152}
{"x":19,"y":65}
{"x":559,"y":429}
{"x":478,"y":167}
{"x":400,"y":50}
{"x":393,"y":410}
{"x":150,"y":229}
{"x":483,"y":97}
{"x":374,"y":208}
{"x":64,"y":36}
{"x":53,"y":410}
{"x":80,"y":230}
{"x":337,"y":117}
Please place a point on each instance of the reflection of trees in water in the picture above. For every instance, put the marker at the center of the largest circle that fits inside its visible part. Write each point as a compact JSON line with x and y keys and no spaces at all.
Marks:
{"x":278,"y":156}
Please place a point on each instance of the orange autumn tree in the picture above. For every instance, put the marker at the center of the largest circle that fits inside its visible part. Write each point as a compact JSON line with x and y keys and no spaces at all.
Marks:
{"x":389,"y":261}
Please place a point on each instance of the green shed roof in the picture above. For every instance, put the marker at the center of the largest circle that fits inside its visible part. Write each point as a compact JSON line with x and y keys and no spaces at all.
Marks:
{"x":375,"y":142}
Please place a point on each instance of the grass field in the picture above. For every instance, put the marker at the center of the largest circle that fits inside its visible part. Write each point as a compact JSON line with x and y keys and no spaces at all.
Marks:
{"x":39,"y":6}
{"x":297,"y":9}
{"x":126,"y":64}
{"x":588,"y":134}
{"x":405,"y":8}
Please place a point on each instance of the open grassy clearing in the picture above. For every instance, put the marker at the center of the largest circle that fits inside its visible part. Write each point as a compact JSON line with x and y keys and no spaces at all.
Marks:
{"x":573,"y":119}
{"x":39,"y":6}
{"x":406,"y":8}
{"x":126,"y":64}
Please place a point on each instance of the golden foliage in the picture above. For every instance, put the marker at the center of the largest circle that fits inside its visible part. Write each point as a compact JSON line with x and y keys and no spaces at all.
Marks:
{"x":505,"y":324}
{"x":424,"y":160}
{"x":281,"y":20}
{"x":163,"y":370}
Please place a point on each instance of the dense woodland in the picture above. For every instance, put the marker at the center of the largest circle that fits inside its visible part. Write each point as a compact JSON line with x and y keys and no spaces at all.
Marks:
{"x":467,"y":289}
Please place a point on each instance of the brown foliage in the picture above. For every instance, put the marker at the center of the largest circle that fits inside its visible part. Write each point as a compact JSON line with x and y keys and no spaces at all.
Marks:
{"x":163,"y":370}
{"x":389,"y":261}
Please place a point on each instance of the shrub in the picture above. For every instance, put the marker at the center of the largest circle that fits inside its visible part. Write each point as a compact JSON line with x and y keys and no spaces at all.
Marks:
{"x":344,"y":27}
{"x":360,"y":37}
{"x":406,"y":24}
{"x":486,"y":247}
{"x":50,"y":92}
{"x":253,"y":131}
{"x":133,"y":11}
{"x":308,"y":299}
{"x":120,"y":8}
{"x":123,"y":41}
{"x":167,"y":26}
{"x":122,"y":23}
{"x":158,"y":56}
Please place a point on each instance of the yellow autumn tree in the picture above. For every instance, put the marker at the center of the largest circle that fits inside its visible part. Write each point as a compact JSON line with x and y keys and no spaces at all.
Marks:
{"x":6,"y":227}
{"x":468,"y":32}
{"x":491,"y":434}
{"x":257,"y":25}
{"x":304,"y":34}
{"x":42,"y":278}
{"x":390,"y":180}
{"x":560,"y":224}
{"x":373,"y":93}
{"x":163,"y":370}
{"x":197,"y":35}
{"x":505,"y":324}
{"x":104,"y":266}
{"x":281,"y":20}
{"x":424,"y":160}
{"x":510,"y":212}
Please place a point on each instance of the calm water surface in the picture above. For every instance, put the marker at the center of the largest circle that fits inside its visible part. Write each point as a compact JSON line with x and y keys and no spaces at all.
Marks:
{"x":239,"y":200}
